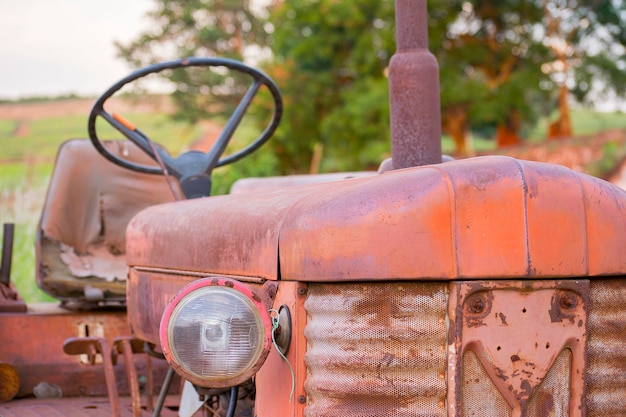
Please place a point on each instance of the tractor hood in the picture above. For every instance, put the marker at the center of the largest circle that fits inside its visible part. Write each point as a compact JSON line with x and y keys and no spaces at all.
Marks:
{"x":487,"y":217}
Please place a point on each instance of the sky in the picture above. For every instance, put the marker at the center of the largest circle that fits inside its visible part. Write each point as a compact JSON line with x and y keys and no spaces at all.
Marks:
{"x":57,"y":47}
{"x":53,"y":47}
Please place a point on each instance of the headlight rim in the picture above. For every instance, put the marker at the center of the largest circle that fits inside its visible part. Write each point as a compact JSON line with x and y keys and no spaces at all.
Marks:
{"x":181,"y":295}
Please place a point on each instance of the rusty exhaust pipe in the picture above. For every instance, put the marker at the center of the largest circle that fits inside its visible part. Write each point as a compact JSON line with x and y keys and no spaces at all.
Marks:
{"x":414,"y":102}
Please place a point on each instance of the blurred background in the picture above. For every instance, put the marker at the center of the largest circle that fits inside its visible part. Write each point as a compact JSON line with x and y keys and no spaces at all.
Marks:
{"x":537,"y":79}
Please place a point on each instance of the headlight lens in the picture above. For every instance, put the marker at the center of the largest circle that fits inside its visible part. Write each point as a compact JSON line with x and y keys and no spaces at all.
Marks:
{"x":215,"y":333}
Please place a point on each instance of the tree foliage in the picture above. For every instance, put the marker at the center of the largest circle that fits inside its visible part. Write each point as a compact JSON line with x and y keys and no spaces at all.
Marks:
{"x":592,"y":38}
{"x":335,"y":55}
{"x":329,"y":58}
{"x":208,"y":28}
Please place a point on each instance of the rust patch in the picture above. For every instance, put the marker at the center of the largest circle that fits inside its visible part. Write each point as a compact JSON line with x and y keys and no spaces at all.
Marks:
{"x":477,"y":308}
{"x":563,"y":306}
{"x":381,"y":308}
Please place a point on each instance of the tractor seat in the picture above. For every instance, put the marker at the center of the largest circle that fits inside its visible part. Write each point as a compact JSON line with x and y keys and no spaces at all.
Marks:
{"x":80,"y":244}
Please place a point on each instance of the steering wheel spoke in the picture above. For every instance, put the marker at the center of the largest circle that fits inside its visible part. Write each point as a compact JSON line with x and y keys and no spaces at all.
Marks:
{"x":193,"y":167}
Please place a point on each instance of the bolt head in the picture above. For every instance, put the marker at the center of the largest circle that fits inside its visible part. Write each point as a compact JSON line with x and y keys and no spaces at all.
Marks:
{"x":477,"y":304}
{"x":568,"y":301}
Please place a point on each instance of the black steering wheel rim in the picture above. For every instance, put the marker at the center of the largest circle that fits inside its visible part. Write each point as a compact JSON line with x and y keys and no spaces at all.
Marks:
{"x":137,"y":137}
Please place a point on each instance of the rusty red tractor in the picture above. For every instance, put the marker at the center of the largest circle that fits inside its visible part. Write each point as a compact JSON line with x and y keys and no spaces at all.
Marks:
{"x":488,"y":286}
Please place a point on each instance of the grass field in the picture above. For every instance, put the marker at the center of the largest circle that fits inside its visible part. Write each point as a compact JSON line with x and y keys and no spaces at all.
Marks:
{"x":29,"y":140}
{"x":30,"y":135}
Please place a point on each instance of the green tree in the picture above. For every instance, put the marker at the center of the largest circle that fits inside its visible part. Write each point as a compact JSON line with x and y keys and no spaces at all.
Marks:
{"x":335,"y":55}
{"x":490,"y":60}
{"x":330,"y":58}
{"x":587,"y":38}
{"x":183,"y":28}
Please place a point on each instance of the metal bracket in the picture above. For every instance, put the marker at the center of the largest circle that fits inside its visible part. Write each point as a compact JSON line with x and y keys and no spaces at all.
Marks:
{"x":516,"y":331}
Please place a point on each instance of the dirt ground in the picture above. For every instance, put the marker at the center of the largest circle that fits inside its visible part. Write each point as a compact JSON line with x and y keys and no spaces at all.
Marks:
{"x":27,"y":112}
{"x":38,"y":110}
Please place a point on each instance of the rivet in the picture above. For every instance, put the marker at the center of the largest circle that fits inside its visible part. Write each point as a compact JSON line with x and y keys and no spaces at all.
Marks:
{"x":302,"y":399}
{"x":477,"y":304}
{"x":271,"y":291}
{"x":301,"y":291}
{"x":568,"y":301}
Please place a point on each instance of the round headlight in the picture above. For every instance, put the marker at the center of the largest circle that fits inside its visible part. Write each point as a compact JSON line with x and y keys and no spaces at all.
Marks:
{"x":215,"y":333}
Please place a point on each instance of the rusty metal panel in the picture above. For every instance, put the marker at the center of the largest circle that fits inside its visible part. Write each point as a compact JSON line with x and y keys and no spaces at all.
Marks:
{"x":273,"y":381}
{"x":265,"y":184}
{"x":376,"y":349}
{"x":479,"y":218}
{"x":76,"y":407}
{"x":479,"y":396}
{"x":606,"y":226}
{"x":229,"y":235}
{"x":32,"y":344}
{"x":339,"y":235}
{"x":522,"y":343}
{"x":606,"y":370}
{"x":488,"y":217}
{"x":556,"y":223}
{"x":148,"y":294}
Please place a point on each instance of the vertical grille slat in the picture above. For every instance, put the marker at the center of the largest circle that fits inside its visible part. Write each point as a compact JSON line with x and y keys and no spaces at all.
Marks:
{"x":376,"y":349}
{"x":606,"y":349}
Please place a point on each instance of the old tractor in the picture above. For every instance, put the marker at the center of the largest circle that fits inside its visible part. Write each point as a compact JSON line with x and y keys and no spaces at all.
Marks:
{"x":488,"y":286}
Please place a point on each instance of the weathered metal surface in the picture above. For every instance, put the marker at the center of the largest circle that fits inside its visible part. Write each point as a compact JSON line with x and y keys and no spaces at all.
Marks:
{"x":273,"y":381}
{"x":32,"y":344}
{"x":150,"y":291}
{"x":489,"y":217}
{"x":228,"y":235}
{"x":527,"y":338}
{"x":606,"y":348}
{"x":265,"y":184}
{"x":81,"y":236}
{"x":486,"y":217}
{"x":127,"y":346}
{"x":92,"y":346}
{"x":76,"y":407}
{"x":10,"y":299}
{"x":376,"y":349}
{"x":414,"y":108}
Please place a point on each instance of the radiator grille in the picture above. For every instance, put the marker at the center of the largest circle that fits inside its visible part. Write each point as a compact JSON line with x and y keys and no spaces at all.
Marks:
{"x":606,"y":349}
{"x":376,"y":349}
{"x":551,"y":398}
{"x":479,"y":396}
{"x":380,"y":349}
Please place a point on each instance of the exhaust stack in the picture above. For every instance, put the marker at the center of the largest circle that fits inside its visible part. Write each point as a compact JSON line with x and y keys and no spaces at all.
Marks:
{"x":414,"y":90}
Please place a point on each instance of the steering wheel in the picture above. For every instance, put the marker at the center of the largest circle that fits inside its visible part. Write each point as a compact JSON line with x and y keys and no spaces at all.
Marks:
{"x":193,"y":168}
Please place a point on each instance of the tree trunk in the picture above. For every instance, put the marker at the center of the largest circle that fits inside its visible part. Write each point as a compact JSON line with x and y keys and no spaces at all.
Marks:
{"x":455,"y":124}
{"x":561,"y":128}
{"x":506,"y":133}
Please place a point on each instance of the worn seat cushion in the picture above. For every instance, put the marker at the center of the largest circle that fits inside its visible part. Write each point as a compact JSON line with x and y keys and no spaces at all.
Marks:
{"x":81,"y":235}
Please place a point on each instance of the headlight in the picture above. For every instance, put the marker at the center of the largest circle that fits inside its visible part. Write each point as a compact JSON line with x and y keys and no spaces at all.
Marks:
{"x":215,"y":333}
